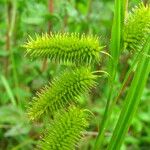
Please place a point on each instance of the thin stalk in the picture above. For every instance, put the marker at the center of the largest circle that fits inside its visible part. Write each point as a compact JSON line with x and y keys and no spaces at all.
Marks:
{"x":8,"y":12}
{"x":108,"y":112}
{"x":51,"y":10}
{"x":8,"y":90}
{"x":132,"y":100}
{"x":115,"y":47}
{"x":114,"y":51}
{"x":11,"y":33}
{"x":11,"y":17}
{"x":123,"y":86}
{"x":109,"y":109}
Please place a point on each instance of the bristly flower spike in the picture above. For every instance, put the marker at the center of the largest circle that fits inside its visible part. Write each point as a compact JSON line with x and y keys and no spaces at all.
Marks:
{"x":137,"y":27}
{"x":65,"y":47}
{"x":64,"y":90}
{"x":66,"y":130}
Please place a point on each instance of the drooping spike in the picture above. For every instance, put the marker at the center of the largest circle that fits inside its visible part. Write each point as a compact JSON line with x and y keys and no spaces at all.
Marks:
{"x":64,"y":90}
{"x":62,"y":47}
{"x":137,"y":27}
{"x":66,"y":130}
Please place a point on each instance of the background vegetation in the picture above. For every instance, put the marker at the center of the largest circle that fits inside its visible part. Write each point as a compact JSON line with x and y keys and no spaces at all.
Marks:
{"x":21,"y":77}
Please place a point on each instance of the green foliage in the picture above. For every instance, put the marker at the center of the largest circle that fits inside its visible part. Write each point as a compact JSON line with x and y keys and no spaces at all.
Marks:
{"x":137,"y":27}
{"x":138,"y":30}
{"x":15,"y":125}
{"x":132,"y":99}
{"x":65,"y":130}
{"x":115,"y":48}
{"x":65,"y":47}
{"x":64,"y":90}
{"x":20,"y":77}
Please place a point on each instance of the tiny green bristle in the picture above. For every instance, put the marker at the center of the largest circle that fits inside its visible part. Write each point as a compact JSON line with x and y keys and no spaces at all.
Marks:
{"x":137,"y":27}
{"x":64,"y":90}
{"x":66,"y":130}
{"x":65,"y":48}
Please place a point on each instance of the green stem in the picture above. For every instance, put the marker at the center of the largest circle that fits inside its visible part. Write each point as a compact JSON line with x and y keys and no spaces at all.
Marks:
{"x":132,"y":100}
{"x":10,"y":34}
{"x":109,"y":107}
{"x":8,"y":90}
{"x":115,"y":47}
{"x":114,"y":51}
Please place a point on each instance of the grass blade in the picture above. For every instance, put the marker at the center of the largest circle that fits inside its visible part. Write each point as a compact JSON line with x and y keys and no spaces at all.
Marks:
{"x":115,"y":52}
{"x":8,"y":90}
{"x":132,"y":100}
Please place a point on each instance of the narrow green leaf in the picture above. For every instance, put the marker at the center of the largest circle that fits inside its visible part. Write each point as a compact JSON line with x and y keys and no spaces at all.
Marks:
{"x":115,"y":48}
{"x":115,"y":39}
{"x":8,"y":90}
{"x":132,"y":100}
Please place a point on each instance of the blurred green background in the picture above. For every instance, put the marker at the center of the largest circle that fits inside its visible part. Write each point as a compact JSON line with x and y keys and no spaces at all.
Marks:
{"x":21,"y":77}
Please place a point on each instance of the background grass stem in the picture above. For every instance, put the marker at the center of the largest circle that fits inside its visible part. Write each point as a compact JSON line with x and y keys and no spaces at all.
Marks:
{"x":132,"y":100}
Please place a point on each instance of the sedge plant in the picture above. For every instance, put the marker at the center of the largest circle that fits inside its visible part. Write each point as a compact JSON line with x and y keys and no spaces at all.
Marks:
{"x":137,"y":23}
{"x":134,"y":35}
{"x":59,"y":99}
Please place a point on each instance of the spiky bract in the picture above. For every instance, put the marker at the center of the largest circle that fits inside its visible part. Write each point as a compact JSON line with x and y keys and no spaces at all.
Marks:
{"x":65,"y":47}
{"x":66,"y":130}
{"x":64,"y":90}
{"x":137,"y":27}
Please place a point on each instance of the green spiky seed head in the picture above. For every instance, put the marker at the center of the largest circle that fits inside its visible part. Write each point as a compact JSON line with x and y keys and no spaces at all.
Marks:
{"x":66,"y":130}
{"x":137,"y":27}
{"x":65,"y":48}
{"x":64,"y":90}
